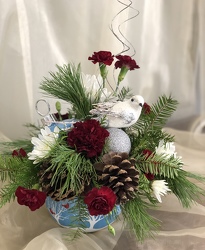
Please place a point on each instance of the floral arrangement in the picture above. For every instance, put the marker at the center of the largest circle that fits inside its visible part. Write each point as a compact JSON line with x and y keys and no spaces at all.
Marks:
{"x":131,"y":165}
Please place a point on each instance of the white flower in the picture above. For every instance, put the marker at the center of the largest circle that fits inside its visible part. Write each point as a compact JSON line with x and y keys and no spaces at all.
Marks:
{"x":93,"y":85}
{"x":159,"y":188}
{"x":168,"y":149}
{"x":43,"y":144}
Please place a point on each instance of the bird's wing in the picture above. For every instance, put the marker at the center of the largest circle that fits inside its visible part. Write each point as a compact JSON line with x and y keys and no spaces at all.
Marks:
{"x":102,"y":108}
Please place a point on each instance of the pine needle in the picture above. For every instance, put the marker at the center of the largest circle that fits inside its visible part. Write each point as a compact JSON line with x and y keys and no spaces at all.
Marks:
{"x":135,"y":213}
{"x":185,"y":190}
{"x":66,"y":84}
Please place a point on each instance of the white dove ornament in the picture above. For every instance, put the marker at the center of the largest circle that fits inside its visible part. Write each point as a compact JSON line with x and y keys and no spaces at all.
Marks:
{"x":120,"y":114}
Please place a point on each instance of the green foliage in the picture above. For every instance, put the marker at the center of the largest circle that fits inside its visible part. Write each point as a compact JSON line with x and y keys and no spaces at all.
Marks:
{"x":9,"y":166}
{"x":160,"y":113}
{"x":185,"y":190}
{"x":135,"y":213}
{"x":77,"y":168}
{"x":16,"y":172}
{"x":148,"y":130}
{"x":159,"y":165}
{"x":124,"y":93}
{"x":7,"y":147}
{"x":66,"y":84}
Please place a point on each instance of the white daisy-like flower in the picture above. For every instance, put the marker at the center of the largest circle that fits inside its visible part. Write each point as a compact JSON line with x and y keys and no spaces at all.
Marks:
{"x":93,"y":85}
{"x":43,"y":144}
{"x":160,"y":188}
{"x":168,"y":149}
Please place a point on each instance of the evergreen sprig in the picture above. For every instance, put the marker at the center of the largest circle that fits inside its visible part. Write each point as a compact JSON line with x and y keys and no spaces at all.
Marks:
{"x":157,"y":118}
{"x":66,"y":84}
{"x":185,"y":190}
{"x":135,"y":213}
{"x":124,"y":93}
{"x":162,"y":110}
{"x":17,"y":172}
{"x":78,"y":169}
{"x":7,"y":147}
{"x":159,"y":165}
{"x":148,"y":131}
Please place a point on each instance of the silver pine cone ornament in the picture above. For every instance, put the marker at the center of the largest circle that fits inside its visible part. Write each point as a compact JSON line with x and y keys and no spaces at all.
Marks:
{"x":119,"y":173}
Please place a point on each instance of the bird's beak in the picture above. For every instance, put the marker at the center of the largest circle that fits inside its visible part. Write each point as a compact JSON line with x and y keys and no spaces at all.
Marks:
{"x":141,"y":104}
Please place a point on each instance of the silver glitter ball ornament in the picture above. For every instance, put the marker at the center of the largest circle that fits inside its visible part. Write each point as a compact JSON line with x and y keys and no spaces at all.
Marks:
{"x":118,"y":140}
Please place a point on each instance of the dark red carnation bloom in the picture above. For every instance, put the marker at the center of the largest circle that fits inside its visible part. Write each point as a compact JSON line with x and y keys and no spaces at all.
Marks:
{"x":104,"y":57}
{"x":20,"y":153}
{"x":146,"y":108}
{"x":100,"y":201}
{"x":31,"y":198}
{"x":127,"y":62}
{"x":87,"y":137}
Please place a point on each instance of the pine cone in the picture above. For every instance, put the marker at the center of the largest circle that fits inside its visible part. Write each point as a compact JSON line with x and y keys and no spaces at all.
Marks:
{"x":53,"y":191}
{"x":120,"y":174}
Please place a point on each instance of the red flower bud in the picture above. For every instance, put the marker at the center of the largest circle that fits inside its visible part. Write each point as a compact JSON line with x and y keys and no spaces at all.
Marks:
{"x":150,"y":176}
{"x":20,"y":153}
{"x":146,"y":108}
{"x":147,"y":152}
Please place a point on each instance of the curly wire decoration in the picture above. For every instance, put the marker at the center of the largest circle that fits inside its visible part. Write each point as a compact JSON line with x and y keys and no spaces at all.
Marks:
{"x":125,"y":45}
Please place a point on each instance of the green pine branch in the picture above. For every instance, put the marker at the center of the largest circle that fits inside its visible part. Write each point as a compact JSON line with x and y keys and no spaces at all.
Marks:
{"x":159,"y":165}
{"x":160,"y":113}
{"x":16,"y":172}
{"x":6,"y":148}
{"x":66,"y":84}
{"x":7,"y":193}
{"x":9,"y":167}
{"x":185,"y":190}
{"x":141,"y":141}
{"x":135,"y":213}
{"x":124,"y":93}
{"x":163,"y":110}
{"x":77,"y":168}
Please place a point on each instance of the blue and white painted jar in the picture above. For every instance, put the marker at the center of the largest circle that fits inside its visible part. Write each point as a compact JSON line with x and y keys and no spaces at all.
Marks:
{"x":65,"y":124}
{"x":64,"y":214}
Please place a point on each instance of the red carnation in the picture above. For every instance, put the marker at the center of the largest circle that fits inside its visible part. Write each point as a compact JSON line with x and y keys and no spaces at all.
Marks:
{"x":87,"y":137}
{"x":126,"y":61}
{"x":100,"y":201}
{"x":31,"y":198}
{"x":104,"y":57}
{"x":146,"y":108}
{"x":20,"y":153}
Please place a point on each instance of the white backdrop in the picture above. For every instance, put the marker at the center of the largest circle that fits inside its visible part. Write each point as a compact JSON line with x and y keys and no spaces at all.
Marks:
{"x":168,"y":37}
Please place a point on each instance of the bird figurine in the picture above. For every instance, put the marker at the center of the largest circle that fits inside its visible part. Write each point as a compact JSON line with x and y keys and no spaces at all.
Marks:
{"x":120,"y":114}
